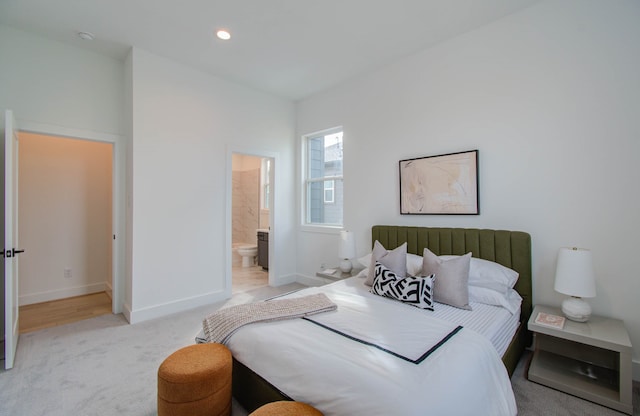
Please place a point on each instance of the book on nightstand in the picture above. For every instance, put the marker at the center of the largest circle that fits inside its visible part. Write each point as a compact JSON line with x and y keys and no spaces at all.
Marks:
{"x":552,"y":321}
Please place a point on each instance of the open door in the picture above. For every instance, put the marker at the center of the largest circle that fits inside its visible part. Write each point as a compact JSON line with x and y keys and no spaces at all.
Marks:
{"x":11,"y":238}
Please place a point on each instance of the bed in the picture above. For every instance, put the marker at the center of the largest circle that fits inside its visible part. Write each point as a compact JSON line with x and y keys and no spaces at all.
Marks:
{"x":511,"y":249}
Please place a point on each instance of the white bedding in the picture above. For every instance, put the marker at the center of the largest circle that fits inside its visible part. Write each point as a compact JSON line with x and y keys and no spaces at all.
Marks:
{"x":341,"y":376}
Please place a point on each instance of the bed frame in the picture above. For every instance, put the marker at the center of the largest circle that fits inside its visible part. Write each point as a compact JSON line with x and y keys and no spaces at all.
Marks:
{"x":509,"y":248}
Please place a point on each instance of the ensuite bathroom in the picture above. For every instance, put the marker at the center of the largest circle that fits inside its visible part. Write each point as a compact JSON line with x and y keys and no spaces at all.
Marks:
{"x":250,"y":221}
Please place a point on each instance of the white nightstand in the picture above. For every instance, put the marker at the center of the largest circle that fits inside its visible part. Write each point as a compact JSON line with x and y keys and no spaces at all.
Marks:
{"x":591,"y":360}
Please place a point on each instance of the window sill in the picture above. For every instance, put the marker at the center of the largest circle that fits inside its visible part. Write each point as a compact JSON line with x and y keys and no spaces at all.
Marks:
{"x":322,"y":229}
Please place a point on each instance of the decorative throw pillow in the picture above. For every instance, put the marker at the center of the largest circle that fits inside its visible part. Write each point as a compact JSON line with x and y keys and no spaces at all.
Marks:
{"x":452,"y":278}
{"x":413,"y":290}
{"x":395,"y":260}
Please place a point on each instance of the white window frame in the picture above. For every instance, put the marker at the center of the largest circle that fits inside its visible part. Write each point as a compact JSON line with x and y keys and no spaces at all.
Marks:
{"x":331,"y":189}
{"x":306,"y":181}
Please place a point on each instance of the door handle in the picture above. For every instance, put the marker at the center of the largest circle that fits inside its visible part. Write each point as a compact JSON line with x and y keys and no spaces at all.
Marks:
{"x":11,"y":253}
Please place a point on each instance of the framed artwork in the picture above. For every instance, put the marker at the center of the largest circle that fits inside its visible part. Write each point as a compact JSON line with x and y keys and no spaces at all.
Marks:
{"x":442,"y":184}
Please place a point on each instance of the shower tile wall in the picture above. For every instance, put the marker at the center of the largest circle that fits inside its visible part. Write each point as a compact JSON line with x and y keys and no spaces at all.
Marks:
{"x":246,"y":205}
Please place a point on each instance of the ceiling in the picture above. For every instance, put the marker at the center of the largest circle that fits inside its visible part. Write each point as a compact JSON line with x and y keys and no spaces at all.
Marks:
{"x":290,"y":48}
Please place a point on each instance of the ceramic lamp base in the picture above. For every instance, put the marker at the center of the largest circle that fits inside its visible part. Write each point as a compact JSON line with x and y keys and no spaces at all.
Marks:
{"x":345,"y":266}
{"x":576,"y":309}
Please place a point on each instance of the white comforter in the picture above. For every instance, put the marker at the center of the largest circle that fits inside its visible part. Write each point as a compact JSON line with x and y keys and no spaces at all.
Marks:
{"x":340,"y":376}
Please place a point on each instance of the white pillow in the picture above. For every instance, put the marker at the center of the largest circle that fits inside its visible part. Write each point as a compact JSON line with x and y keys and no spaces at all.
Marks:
{"x":395,"y":260}
{"x":414,"y":263}
{"x":511,"y":300}
{"x":363,"y":273}
{"x":489,"y":274}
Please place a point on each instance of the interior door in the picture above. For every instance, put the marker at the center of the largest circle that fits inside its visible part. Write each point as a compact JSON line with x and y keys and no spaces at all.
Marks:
{"x":10,"y":238}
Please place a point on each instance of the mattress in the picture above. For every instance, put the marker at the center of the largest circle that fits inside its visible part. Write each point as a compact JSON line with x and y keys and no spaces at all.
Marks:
{"x":495,"y":323}
{"x":366,"y":357}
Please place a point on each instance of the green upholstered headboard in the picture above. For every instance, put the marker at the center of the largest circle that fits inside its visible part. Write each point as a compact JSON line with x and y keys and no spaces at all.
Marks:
{"x":509,"y":248}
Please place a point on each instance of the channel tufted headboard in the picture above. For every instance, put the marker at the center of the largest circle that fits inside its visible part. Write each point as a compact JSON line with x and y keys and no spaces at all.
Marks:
{"x":509,"y":248}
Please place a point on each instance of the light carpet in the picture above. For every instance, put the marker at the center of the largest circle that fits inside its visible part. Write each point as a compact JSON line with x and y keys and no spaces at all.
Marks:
{"x":104,"y":366}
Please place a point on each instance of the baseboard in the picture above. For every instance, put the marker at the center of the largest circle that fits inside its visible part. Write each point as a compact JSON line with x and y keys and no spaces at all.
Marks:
{"x":126,"y":311}
{"x":636,"y":370}
{"x":158,"y":311}
{"x":69,"y":292}
{"x":285,"y":280}
{"x":109,"y":290}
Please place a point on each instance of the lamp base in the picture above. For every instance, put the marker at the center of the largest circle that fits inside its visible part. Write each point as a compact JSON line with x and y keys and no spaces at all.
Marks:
{"x":345,"y":265}
{"x":576,"y":309}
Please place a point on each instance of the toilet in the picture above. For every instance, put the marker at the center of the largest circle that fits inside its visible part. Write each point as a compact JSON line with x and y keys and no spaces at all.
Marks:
{"x":248,"y":253}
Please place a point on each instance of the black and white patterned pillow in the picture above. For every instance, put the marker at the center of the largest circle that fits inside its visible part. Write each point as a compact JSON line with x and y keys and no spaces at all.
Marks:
{"x":414,"y":290}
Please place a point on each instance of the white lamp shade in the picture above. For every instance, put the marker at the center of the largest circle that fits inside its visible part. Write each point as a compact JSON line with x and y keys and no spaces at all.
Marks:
{"x":574,"y":273}
{"x":347,"y":246}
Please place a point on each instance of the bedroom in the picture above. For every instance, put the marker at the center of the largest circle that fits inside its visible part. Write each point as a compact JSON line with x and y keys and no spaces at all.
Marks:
{"x":549,"y":95}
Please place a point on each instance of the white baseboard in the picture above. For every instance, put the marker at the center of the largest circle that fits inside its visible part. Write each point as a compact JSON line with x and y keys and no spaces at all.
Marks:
{"x":126,"y":311}
{"x":285,"y":280}
{"x":31,"y":298}
{"x":158,"y":311}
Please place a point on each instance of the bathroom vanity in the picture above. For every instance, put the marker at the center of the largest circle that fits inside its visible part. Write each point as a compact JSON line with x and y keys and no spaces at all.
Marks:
{"x":263,"y":249}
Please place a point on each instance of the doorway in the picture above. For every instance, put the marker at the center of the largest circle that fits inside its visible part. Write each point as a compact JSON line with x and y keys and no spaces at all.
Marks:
{"x":66,"y":212}
{"x":250,"y":219}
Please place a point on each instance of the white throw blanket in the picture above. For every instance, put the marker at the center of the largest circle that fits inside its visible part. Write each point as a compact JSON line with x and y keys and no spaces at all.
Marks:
{"x":220,"y":325}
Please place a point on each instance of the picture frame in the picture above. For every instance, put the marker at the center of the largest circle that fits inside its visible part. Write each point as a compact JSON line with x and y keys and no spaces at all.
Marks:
{"x":441,"y":184}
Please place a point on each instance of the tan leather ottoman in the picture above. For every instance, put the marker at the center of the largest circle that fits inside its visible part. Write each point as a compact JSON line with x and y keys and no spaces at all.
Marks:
{"x":286,"y":408}
{"x":196,"y":381}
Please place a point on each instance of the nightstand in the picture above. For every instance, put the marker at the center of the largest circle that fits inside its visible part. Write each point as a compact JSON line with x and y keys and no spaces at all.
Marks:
{"x":336,"y":275}
{"x":591,"y":360}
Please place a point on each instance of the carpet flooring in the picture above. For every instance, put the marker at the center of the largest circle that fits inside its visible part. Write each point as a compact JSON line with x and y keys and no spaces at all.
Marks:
{"x":104,"y":366}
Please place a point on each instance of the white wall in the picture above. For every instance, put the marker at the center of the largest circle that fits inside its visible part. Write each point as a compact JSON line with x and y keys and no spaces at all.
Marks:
{"x":58,"y":89}
{"x":550,"y":97}
{"x":183,"y":122}
{"x":65,"y":216}
{"x":49,"y":82}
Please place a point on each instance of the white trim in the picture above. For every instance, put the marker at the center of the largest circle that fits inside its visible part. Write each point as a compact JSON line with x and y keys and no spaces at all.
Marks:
{"x":158,"y":311}
{"x":61,"y":293}
{"x":118,"y":196}
{"x":323,"y":229}
{"x":54,"y":129}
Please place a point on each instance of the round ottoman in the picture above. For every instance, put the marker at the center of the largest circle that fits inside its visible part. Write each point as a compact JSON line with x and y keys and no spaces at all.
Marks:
{"x":195,"y":381}
{"x":286,"y":408}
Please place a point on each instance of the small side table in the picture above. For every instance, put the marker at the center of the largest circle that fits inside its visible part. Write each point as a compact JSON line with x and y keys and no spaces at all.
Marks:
{"x":591,"y":360}
{"x":336,"y":275}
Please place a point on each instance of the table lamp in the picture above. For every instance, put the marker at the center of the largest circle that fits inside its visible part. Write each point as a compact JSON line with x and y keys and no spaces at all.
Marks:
{"x":575,"y":277}
{"x":346,"y":250}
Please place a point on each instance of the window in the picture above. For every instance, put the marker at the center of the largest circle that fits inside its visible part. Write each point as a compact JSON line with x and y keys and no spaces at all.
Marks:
{"x":323,"y":181}
{"x":329,"y":189}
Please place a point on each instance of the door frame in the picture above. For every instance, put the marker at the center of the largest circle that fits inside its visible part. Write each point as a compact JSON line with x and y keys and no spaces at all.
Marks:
{"x":118,"y":195}
{"x":248,"y":151}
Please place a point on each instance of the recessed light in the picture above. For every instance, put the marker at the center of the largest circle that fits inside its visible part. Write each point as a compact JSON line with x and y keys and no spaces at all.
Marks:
{"x":223,"y":34}
{"x":86,"y":35}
